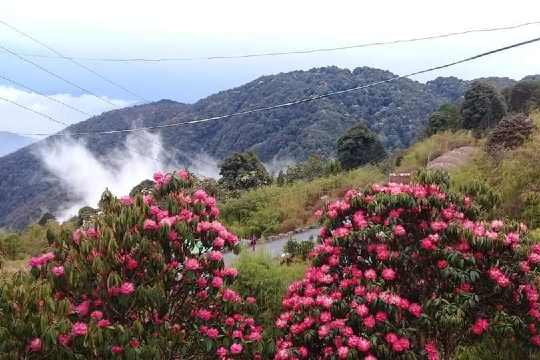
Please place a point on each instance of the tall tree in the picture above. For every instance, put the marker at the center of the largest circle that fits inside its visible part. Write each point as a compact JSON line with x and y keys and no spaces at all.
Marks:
{"x":447,"y":117}
{"x":523,"y":95}
{"x":243,"y":171}
{"x":482,"y":108}
{"x":359,"y":146}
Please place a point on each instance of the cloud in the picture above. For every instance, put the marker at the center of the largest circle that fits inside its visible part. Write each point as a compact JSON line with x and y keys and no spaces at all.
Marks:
{"x":86,"y":177}
{"x":15,"y":119}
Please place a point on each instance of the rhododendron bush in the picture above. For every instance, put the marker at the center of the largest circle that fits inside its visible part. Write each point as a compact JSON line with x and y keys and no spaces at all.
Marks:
{"x":409,"y":271}
{"x":145,"y":279}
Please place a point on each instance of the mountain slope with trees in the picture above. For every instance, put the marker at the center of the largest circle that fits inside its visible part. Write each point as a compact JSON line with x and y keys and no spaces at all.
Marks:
{"x":396,"y":111}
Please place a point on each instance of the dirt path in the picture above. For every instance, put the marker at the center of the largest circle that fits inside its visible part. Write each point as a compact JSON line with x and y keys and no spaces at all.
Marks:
{"x":274,"y":248}
{"x":452,"y":159}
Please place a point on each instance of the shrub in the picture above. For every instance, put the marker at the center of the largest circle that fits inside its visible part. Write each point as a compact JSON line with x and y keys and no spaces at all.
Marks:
{"x":408,"y":271}
{"x":510,"y":133}
{"x":144,"y":279}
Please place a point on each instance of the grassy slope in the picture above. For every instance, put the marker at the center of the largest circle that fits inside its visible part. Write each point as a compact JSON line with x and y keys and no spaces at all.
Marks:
{"x":276,"y":209}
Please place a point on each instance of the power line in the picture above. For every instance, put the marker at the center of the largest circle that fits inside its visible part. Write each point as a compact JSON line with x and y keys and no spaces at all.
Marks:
{"x":56,"y":75}
{"x":295,"y":102}
{"x":82,"y":66}
{"x":34,"y":111}
{"x":292,"y":52}
{"x":44,"y":95}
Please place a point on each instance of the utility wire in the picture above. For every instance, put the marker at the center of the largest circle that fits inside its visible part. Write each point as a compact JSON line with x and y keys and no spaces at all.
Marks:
{"x":292,"y":52}
{"x":51,"y":98}
{"x":299,"y":101}
{"x":34,"y":111}
{"x":56,"y":75}
{"x":82,"y":66}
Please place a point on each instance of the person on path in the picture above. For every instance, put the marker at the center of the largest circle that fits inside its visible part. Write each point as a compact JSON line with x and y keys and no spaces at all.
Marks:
{"x":253,"y":242}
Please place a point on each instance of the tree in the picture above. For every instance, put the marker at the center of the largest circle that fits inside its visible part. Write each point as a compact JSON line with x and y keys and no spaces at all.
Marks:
{"x":411,"y":272}
{"x":359,"y":146}
{"x":523,"y":95}
{"x":482,"y":108}
{"x":145,"y":279}
{"x":447,"y":117}
{"x":243,"y":171}
{"x":46,"y":218}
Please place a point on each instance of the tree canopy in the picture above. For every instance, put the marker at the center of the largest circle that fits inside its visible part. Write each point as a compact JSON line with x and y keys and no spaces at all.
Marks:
{"x":359,"y":146}
{"x":243,"y":171}
{"x":482,"y":108}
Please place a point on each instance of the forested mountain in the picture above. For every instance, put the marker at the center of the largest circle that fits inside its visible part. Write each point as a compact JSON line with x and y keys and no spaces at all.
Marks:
{"x":397,"y":111}
{"x":10,"y":142}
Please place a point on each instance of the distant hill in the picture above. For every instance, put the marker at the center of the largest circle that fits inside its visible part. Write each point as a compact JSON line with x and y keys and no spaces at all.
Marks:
{"x":397,"y":111}
{"x":10,"y":142}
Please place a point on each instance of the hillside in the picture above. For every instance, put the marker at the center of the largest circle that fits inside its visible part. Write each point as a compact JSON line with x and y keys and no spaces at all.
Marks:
{"x":397,"y":111}
{"x":10,"y":142}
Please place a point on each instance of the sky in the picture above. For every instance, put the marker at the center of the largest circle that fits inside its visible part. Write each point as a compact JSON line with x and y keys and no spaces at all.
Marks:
{"x":160,"y":28}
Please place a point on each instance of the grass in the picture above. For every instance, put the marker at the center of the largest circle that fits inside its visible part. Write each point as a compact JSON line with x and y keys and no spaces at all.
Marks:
{"x":418,"y":155}
{"x":276,"y":209}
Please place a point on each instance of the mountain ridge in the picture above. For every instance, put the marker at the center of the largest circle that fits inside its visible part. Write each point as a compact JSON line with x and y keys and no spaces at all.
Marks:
{"x":396,"y":110}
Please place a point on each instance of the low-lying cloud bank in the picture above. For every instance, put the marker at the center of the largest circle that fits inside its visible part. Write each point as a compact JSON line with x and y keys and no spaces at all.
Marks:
{"x":86,"y":177}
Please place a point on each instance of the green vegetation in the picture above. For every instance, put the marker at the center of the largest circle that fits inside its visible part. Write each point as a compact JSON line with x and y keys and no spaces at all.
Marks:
{"x":359,"y":146}
{"x":482,"y":108}
{"x":514,"y":176}
{"x":446,"y":118}
{"x":267,"y":280}
{"x":523,"y":96}
{"x":274,"y":209}
{"x":511,"y":132}
{"x":242,"y":171}
{"x":428,"y":149}
{"x":308,"y":170}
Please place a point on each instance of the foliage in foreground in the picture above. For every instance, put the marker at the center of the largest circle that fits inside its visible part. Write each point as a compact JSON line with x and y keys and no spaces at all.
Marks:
{"x":145,"y":280}
{"x":409,"y":271}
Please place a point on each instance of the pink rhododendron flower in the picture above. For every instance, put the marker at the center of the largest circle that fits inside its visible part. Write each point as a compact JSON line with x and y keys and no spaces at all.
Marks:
{"x":399,"y":230}
{"x":96,"y":315}
{"x":480,"y":326}
{"x":127,"y":288}
{"x":236,"y":348}
{"x":150,"y":225}
{"x":126,"y":200}
{"x":35,"y":345}
{"x":191,"y":264}
{"x":79,"y":329}
{"x":58,"y":271}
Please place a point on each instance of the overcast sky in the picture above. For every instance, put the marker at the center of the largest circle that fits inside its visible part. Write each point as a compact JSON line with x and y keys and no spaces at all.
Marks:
{"x":105,"y":28}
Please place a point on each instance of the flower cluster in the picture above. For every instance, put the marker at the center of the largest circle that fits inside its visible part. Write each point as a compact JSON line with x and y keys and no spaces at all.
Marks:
{"x":146,"y":279}
{"x":393,"y":264}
